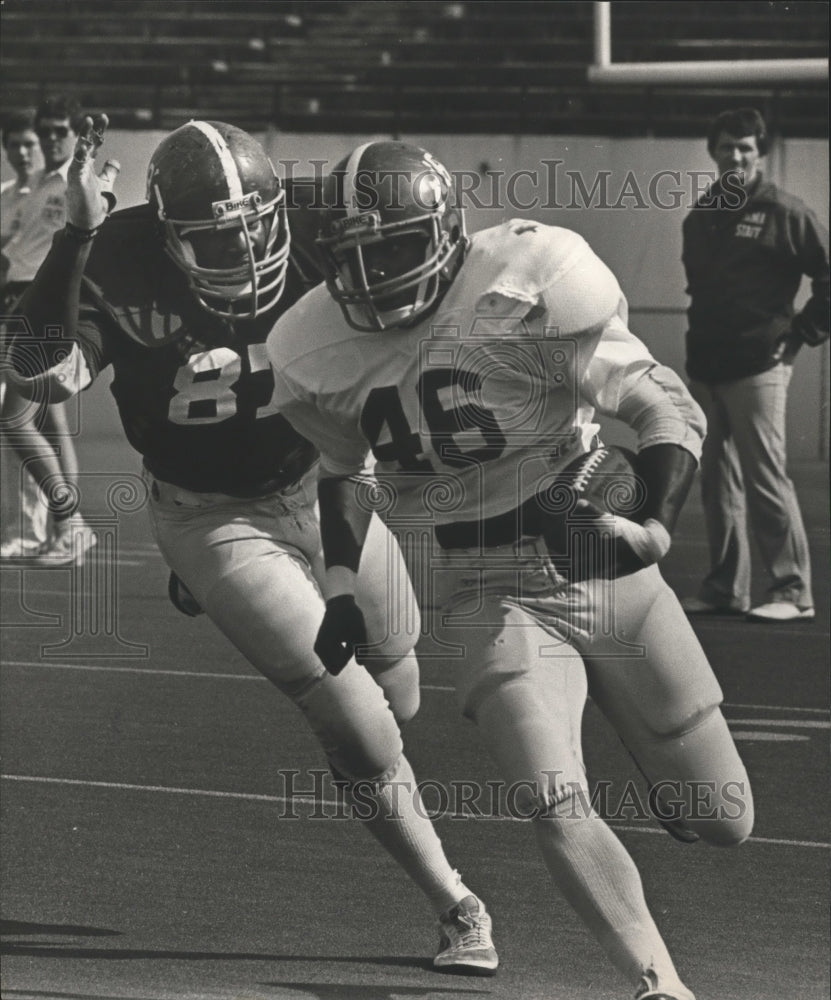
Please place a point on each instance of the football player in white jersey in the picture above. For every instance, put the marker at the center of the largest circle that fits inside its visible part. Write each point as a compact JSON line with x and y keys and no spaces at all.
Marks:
{"x":447,"y":381}
{"x":178,"y":296}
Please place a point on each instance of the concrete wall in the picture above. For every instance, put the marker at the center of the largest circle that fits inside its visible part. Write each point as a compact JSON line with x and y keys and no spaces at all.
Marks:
{"x":642,"y":190}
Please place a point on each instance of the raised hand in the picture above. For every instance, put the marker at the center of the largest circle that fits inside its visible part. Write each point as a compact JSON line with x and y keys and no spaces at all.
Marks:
{"x":89,"y":196}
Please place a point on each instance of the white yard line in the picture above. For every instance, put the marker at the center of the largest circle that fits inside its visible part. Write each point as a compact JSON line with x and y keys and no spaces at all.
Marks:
{"x":332,"y":804}
{"x":208,"y":675}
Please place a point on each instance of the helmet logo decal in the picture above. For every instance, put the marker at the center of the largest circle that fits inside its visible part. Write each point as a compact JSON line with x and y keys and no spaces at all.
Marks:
{"x":151,"y":175}
{"x":431,"y":162}
{"x":222,"y":209}
{"x":428,"y":193}
{"x":367,"y":220}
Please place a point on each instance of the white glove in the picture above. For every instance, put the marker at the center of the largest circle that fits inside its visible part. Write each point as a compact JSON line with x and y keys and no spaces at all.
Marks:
{"x":649,"y":541}
{"x":633,"y":546}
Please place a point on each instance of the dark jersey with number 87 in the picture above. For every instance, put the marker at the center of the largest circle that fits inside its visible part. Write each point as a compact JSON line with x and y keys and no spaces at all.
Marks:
{"x":199,"y":407}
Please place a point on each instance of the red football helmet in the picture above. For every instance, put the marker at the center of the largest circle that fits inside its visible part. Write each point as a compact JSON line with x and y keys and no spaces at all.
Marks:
{"x":209,"y":177}
{"x":390,"y":242}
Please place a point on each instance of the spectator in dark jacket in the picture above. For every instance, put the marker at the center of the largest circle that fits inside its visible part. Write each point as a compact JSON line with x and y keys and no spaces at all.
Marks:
{"x":747,"y":245}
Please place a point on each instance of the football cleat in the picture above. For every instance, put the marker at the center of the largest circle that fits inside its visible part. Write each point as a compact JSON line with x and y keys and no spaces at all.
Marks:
{"x":182,"y":599}
{"x":72,"y":539}
{"x":17,"y":548}
{"x":465,"y":943}
{"x":650,"y":990}
{"x":665,"y":995}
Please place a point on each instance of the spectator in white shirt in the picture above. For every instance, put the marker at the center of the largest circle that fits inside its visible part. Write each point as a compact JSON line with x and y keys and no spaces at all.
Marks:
{"x":23,"y":528}
{"x":39,"y":435}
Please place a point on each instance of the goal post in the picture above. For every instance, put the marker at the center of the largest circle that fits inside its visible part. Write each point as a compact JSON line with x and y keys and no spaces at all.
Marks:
{"x":716,"y":71}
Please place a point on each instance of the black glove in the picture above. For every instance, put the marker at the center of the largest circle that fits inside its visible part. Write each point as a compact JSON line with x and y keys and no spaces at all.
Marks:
{"x":342,"y":629}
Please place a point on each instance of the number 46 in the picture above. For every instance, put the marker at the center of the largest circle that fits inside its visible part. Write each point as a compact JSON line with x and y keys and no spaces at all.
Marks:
{"x":385,"y":423}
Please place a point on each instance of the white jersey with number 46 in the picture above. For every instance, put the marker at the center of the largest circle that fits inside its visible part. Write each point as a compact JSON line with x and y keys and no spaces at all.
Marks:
{"x":473,"y":409}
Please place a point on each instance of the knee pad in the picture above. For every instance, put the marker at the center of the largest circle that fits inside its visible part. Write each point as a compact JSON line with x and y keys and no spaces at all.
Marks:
{"x":531,"y":727}
{"x":678,"y":728}
{"x":353,"y":722}
{"x":399,"y":682}
{"x":697,"y":776}
{"x":363,"y":789}
{"x":560,"y":799}
{"x":721,"y":816}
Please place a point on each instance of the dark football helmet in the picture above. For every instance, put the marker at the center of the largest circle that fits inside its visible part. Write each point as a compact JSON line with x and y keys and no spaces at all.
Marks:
{"x":391,"y":242}
{"x":213,"y":178}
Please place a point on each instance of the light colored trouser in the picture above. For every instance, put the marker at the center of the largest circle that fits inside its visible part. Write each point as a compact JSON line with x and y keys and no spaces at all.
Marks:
{"x":524,"y":648}
{"x":255,"y":567}
{"x":744,"y":477}
{"x":24,"y":515}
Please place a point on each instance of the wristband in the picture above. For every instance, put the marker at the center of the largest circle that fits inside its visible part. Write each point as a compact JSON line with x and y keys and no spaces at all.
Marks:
{"x":78,"y":235}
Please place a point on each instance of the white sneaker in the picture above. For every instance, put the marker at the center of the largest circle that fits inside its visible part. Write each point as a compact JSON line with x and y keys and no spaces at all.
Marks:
{"x":780,"y":611}
{"x":17,"y":548}
{"x":465,"y":943}
{"x":69,"y":545}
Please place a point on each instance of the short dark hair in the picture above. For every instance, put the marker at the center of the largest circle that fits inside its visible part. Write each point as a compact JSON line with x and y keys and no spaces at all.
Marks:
{"x":739,"y":122}
{"x":17,"y":121}
{"x":60,"y":106}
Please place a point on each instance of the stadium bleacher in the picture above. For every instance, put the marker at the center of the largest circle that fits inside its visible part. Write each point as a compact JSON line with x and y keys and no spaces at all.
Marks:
{"x":365,"y":66}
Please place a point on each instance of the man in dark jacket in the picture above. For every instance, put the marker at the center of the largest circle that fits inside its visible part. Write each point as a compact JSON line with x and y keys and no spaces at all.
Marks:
{"x":747,"y":245}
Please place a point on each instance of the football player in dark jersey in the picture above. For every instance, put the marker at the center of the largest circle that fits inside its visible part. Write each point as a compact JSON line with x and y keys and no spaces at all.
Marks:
{"x":178,"y":296}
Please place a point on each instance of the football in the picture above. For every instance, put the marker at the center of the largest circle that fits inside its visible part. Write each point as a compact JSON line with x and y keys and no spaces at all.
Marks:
{"x":582,"y":545}
{"x":607,"y":479}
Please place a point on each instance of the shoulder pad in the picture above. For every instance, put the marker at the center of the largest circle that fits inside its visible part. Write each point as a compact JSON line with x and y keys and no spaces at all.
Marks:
{"x":127,"y":275}
{"x":550,"y":267}
{"x":120,"y":253}
{"x":526,"y":257}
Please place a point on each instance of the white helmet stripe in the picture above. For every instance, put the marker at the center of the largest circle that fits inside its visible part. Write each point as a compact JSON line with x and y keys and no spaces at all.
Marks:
{"x":226,"y":160}
{"x":350,"y":202}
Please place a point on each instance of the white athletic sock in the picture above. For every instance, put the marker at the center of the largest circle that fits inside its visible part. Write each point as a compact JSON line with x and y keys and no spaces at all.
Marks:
{"x":399,"y":822}
{"x":599,"y":879}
